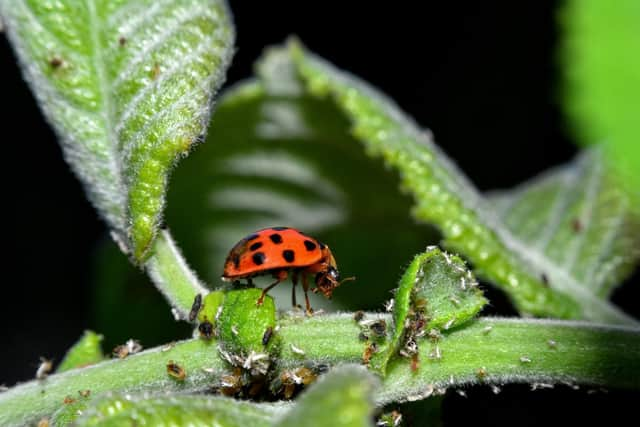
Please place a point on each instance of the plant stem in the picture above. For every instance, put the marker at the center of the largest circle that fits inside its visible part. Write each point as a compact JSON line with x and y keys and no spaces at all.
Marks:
{"x":172,"y":276}
{"x":507,"y":350}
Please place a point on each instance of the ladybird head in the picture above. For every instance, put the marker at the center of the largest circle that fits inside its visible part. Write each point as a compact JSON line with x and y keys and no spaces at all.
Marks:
{"x":329,"y":279}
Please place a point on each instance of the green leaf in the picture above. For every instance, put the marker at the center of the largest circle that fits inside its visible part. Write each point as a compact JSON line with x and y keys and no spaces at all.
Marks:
{"x":437,"y":291}
{"x":86,"y":351}
{"x":602,"y":78}
{"x":242,"y":324}
{"x":537,"y":283}
{"x":583,"y":222}
{"x":343,"y":397}
{"x":127,"y":86}
{"x":272,"y":161}
{"x":190,"y":411}
{"x":510,"y":350}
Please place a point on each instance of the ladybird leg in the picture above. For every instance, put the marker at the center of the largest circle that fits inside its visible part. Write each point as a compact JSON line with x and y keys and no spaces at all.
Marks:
{"x":305,"y":287}
{"x":294,"y":280}
{"x":249,"y":282}
{"x":280,"y":277}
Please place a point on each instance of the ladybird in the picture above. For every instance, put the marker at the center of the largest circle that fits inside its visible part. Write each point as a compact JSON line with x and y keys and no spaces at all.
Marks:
{"x":278,"y":251}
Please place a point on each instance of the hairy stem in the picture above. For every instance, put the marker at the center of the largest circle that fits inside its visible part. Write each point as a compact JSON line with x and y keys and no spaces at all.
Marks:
{"x":172,"y":276}
{"x":489,"y":350}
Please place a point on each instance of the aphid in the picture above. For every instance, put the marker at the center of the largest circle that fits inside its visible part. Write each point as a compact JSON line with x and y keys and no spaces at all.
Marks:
{"x":415,"y":362}
{"x":525,"y":359}
{"x":155,"y":71}
{"x":55,"y":62}
{"x":84,"y":393}
{"x":297,"y":350}
{"x":552,"y":344}
{"x":576,"y":224}
{"x":176,"y":371}
{"x":68,"y":400}
{"x":230,"y":385}
{"x":299,"y":377}
{"x":122,"y":41}
{"x":124,"y":350}
{"x":168,"y":346}
{"x":388,"y":306}
{"x":545,"y":279}
{"x":369,"y":350}
{"x":358,"y":315}
{"x":278,"y":251}
{"x":267,"y":336}
{"x":44,"y":422}
{"x":44,"y":368}
{"x":379,"y":328}
{"x":195,"y":307}
{"x":206,"y":329}
{"x":487,"y":329}
{"x":482,"y":373}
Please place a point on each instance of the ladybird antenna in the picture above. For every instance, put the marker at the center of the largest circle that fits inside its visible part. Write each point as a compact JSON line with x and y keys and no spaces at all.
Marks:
{"x":348,"y":279}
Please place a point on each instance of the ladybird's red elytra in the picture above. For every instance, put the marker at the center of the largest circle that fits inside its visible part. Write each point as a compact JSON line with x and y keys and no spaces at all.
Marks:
{"x":278,"y":251}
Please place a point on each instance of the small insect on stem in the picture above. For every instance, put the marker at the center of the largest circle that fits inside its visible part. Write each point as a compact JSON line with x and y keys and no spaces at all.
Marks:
{"x":55,"y":62}
{"x":206,"y":330}
{"x":195,"y":307}
{"x":122,"y":40}
{"x":358,"y":315}
{"x":487,"y":329}
{"x":266,"y":337}
{"x":176,"y":371}
{"x":84,"y":393}
{"x":44,"y":368}
{"x":379,"y":328}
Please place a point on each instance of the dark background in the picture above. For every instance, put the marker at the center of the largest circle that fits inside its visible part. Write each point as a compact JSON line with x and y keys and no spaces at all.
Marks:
{"x":481,"y":76}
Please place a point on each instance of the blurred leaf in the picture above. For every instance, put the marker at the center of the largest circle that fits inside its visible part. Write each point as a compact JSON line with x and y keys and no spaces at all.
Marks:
{"x":86,"y":351}
{"x":436,"y":291}
{"x":192,"y":411}
{"x":443,"y":194}
{"x":273,"y":161}
{"x":127,"y":86}
{"x":343,"y":397}
{"x":602,"y":78}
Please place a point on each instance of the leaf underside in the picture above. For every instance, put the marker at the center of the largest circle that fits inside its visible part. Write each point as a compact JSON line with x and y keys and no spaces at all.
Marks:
{"x":127,"y":85}
{"x":538,"y":280}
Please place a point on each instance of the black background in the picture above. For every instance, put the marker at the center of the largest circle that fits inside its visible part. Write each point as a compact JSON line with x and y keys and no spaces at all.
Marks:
{"x":482,"y":76}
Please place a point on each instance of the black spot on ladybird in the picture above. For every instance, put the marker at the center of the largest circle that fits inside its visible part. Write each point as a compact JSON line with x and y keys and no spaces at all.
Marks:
{"x":236,"y":260}
{"x":322,"y":245}
{"x":310,"y":245}
{"x":276,"y":238}
{"x":255,"y":246}
{"x":251,"y":237}
{"x":288,"y":255}
{"x":258,"y":258}
{"x":279,"y":228}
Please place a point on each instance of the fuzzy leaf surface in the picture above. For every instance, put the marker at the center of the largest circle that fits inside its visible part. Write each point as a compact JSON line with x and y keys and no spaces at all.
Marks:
{"x":127,"y":85}
{"x":342,"y":398}
{"x":537,"y":282}
{"x":192,"y":411}
{"x":85,"y":352}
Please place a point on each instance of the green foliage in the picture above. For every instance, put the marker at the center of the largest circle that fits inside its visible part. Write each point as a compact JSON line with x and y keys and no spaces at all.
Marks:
{"x":120,"y":411}
{"x":86,"y":351}
{"x":126,"y":96}
{"x":602,"y":78}
{"x":438,"y":292}
{"x":341,"y":399}
{"x":242,"y":324}
{"x":277,"y":107}
{"x":127,"y":85}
